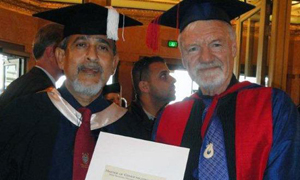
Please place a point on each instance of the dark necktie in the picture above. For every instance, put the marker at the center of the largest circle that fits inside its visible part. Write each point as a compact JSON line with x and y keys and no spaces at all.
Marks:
{"x":84,"y":146}
{"x":212,"y":160}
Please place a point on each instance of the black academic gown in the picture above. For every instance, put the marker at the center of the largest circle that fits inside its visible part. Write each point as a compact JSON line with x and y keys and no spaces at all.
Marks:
{"x":136,"y":109}
{"x":36,"y":140}
{"x":33,"y":81}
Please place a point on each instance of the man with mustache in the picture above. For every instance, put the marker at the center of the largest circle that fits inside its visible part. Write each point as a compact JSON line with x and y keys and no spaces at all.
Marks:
{"x":54,"y":137}
{"x":234,"y":130}
{"x":154,"y":88}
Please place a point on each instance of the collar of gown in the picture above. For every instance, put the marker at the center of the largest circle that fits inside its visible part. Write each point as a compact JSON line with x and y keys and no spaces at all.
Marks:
{"x":106,"y":115}
{"x":232,"y":82}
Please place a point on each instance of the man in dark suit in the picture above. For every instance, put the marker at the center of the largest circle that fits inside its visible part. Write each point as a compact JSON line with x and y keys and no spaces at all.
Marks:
{"x":46,"y":71}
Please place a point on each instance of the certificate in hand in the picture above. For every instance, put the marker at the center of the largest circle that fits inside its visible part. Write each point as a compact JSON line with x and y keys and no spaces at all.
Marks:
{"x":122,"y":158}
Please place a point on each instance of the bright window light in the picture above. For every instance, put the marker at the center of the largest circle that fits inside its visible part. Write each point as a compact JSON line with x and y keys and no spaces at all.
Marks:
{"x":184,"y":85}
{"x":2,"y":60}
{"x":247,"y":78}
{"x":60,"y":81}
{"x":252,"y":79}
{"x":110,"y":80}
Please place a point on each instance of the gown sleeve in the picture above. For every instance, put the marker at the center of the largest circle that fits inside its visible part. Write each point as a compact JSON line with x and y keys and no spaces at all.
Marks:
{"x":28,"y":127}
{"x":284,"y":158}
{"x":11,"y":132}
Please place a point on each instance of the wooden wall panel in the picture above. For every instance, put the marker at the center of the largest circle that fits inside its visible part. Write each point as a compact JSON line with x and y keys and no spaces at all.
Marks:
{"x":279,"y":46}
{"x":124,"y":77}
{"x":135,"y":43}
{"x":293,"y":76}
{"x":19,"y":29}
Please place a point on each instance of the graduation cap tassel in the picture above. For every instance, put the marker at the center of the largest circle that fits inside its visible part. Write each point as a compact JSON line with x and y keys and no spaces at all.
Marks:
{"x":123,"y":36}
{"x":152,"y":35}
{"x":112,"y":24}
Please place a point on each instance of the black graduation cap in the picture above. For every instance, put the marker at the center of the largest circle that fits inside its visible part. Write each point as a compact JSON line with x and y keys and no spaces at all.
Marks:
{"x":112,"y":88}
{"x":88,"y":18}
{"x":187,"y":11}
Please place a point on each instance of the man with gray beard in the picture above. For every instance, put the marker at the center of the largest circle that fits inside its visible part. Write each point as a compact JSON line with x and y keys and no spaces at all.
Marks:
{"x":234,"y":130}
{"x":51,"y":135}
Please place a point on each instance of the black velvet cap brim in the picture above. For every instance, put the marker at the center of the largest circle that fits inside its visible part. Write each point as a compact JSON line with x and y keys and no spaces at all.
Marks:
{"x":89,"y":18}
{"x":187,"y":11}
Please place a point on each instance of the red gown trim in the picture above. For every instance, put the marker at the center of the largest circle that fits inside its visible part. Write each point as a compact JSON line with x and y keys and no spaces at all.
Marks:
{"x":254,"y":132}
{"x":253,"y":129}
{"x":171,"y":132}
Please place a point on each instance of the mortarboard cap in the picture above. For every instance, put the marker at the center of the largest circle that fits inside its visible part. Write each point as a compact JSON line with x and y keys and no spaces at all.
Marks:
{"x":90,"y":19}
{"x":187,"y":11}
{"x":112,"y":88}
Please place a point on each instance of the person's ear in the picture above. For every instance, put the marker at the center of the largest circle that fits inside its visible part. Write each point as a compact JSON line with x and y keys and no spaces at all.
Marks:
{"x":144,"y":86}
{"x":60,"y":55}
{"x":49,"y":52}
{"x":115,"y":63}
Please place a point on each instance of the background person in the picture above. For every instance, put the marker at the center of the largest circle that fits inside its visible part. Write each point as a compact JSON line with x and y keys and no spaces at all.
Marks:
{"x":112,"y":93}
{"x":46,"y":71}
{"x":154,"y":88}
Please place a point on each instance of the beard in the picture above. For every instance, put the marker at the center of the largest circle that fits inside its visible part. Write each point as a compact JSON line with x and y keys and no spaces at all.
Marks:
{"x":161,"y":95}
{"x":207,"y":78}
{"x":89,"y":90}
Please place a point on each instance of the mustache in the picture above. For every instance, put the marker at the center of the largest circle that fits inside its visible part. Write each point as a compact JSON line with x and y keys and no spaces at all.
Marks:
{"x":92,"y":65}
{"x":207,"y":65}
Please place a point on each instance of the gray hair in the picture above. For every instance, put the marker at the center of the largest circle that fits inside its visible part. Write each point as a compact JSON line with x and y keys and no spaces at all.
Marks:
{"x":48,"y":35}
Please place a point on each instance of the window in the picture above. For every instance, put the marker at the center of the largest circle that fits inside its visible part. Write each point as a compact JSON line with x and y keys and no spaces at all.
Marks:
{"x":11,"y":67}
{"x":184,"y":85}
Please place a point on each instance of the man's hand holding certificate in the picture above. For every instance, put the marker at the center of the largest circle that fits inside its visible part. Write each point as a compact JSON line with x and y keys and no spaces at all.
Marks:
{"x":123,"y":158}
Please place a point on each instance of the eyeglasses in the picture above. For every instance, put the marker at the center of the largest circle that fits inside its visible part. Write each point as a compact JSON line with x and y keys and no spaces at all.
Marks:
{"x":142,"y":66}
